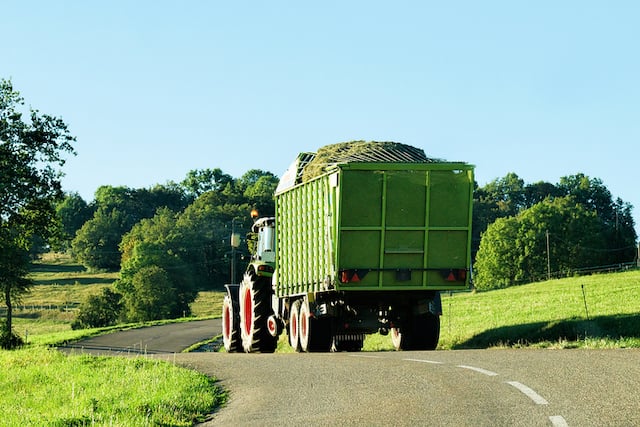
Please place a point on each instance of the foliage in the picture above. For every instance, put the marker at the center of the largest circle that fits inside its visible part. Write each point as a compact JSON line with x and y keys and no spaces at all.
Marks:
{"x":30,"y":152}
{"x":152,"y":243}
{"x":96,"y":243}
{"x":513,"y":249}
{"x":72,"y":212}
{"x":117,"y":209}
{"x":609,"y":238}
{"x":99,"y":310}
{"x":198,"y":182}
{"x":151,"y":295}
{"x":56,"y":389}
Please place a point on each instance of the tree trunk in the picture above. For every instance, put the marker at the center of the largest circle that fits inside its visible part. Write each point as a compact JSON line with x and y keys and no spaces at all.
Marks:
{"x":7,"y":301}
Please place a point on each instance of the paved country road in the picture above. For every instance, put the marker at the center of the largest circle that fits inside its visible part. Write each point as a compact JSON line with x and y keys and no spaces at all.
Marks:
{"x":448,"y":388}
{"x":170,"y":338}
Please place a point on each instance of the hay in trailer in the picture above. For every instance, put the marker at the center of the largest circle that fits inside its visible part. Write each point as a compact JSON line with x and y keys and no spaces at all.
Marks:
{"x":362,"y":151}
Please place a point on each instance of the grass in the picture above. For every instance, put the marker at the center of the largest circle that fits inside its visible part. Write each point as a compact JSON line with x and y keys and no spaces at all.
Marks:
{"x":542,"y":315}
{"x":53,"y":389}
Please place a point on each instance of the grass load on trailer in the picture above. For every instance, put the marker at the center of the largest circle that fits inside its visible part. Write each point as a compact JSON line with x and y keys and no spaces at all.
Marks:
{"x":364,"y":237}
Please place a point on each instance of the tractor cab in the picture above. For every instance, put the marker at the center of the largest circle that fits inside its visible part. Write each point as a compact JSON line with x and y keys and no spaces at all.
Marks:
{"x":265,"y":256}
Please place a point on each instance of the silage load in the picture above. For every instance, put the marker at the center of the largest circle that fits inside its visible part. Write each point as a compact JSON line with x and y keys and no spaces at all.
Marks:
{"x":362,"y":151}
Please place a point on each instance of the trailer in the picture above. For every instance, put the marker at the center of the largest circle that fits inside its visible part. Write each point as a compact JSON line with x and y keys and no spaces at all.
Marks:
{"x":365,"y":245}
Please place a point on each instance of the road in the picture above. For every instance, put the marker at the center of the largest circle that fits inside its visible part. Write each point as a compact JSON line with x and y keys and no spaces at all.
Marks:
{"x":170,"y":338}
{"x":448,"y":388}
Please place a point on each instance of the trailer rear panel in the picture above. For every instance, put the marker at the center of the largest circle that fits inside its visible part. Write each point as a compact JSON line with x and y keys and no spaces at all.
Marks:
{"x":376,"y":227}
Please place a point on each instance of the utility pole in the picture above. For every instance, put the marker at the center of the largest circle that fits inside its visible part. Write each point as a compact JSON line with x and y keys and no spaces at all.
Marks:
{"x":638,"y":259}
{"x":548,"y":258}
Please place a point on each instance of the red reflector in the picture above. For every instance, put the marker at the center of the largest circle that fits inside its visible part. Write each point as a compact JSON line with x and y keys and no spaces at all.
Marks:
{"x":451,"y":277}
{"x":345,"y":277}
{"x":355,"y":277}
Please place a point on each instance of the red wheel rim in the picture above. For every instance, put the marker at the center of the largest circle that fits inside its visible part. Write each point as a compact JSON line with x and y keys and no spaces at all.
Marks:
{"x":248,"y":311}
{"x":303,"y":324}
{"x":227,"y":321}
{"x":294,"y":326}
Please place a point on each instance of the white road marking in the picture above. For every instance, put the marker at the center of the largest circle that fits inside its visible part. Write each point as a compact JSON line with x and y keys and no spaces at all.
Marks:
{"x":365,"y":356}
{"x":558,"y":421}
{"x":529,"y":393}
{"x":433,"y":362}
{"x":482,"y":371}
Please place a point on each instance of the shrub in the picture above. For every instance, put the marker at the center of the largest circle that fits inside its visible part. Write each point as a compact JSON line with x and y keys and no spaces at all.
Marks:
{"x":99,"y":310}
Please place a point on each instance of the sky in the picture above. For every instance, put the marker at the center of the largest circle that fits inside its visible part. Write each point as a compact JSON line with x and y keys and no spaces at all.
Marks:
{"x":154,"y":89}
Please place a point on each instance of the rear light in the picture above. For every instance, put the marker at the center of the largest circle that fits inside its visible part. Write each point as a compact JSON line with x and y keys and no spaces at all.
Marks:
{"x":454,"y":275}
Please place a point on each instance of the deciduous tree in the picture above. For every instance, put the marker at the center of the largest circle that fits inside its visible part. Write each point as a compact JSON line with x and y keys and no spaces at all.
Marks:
{"x":31,"y":153}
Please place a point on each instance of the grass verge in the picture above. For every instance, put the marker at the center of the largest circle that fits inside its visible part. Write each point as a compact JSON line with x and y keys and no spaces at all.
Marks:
{"x":50,"y":388}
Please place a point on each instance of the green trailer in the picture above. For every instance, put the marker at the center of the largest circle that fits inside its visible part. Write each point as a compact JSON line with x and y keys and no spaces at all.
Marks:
{"x":363,"y":247}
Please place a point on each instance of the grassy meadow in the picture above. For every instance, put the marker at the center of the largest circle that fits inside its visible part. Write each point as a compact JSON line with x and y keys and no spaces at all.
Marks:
{"x":597,"y":311}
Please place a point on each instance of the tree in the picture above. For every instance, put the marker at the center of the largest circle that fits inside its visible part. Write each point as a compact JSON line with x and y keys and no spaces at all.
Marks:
{"x":498,"y":199}
{"x":201,"y":181}
{"x":118,"y":209}
{"x":31,"y":151}
{"x":72,"y":212}
{"x":259,"y":193}
{"x":153,"y":296}
{"x":513,"y":250}
{"x":153,"y":243}
{"x":96,"y":243}
{"x":496,"y":264}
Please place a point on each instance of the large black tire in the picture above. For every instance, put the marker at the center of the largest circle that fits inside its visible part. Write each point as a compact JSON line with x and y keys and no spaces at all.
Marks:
{"x":315,"y":334}
{"x":230,"y":326}
{"x":255,"y":309}
{"x":419,"y":333}
{"x":294,"y":330}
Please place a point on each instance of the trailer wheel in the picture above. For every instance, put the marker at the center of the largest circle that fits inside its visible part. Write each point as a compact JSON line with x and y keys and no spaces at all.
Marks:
{"x":397,"y":339}
{"x":230,"y":326}
{"x":315,"y":334}
{"x":427,"y":332}
{"x":255,"y":309}
{"x":421,"y":333}
{"x":294,"y":331}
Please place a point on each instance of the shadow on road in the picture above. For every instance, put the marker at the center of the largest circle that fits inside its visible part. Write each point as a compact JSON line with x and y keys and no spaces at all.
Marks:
{"x":613,"y":327}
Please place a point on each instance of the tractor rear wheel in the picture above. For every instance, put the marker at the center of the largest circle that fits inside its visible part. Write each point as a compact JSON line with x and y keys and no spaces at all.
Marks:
{"x":255,"y":309}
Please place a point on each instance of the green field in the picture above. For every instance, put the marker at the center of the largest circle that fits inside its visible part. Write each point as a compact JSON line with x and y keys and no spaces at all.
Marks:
{"x":597,"y":311}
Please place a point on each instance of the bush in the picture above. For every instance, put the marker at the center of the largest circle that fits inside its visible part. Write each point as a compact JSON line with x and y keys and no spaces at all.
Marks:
{"x":99,"y":310}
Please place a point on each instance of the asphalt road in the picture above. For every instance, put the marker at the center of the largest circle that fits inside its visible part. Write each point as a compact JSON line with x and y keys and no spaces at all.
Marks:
{"x":444,"y":388}
{"x":170,"y":338}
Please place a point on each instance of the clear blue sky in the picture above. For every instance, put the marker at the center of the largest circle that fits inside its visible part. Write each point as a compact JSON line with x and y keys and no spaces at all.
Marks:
{"x":153,"y":89}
